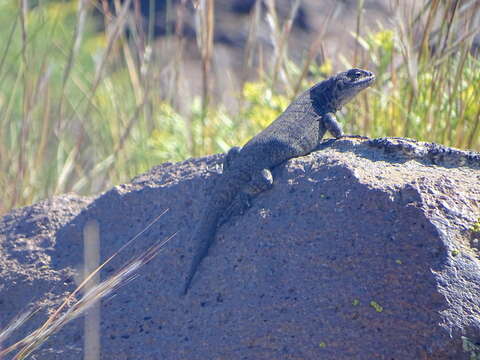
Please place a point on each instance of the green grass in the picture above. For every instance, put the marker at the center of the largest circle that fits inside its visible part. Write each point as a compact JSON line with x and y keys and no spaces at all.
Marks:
{"x":82,"y":111}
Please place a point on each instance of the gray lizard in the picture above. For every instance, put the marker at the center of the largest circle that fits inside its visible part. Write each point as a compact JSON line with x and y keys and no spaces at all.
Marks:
{"x":296,"y":132}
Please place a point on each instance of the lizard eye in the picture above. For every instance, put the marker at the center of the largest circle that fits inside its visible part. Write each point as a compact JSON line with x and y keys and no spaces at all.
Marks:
{"x":355,"y":74}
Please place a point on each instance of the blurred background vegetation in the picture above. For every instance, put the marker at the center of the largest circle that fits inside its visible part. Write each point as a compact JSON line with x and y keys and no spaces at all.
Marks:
{"x":94,"y":92}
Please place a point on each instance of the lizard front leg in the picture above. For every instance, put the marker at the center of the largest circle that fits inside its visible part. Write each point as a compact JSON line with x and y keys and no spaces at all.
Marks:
{"x":332,"y":125}
{"x":260,"y":182}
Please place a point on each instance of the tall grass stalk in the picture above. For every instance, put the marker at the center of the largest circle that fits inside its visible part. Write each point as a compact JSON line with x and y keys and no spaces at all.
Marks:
{"x":205,"y":30}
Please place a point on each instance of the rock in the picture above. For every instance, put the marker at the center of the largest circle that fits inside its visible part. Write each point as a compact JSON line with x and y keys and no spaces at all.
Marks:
{"x":365,"y":249}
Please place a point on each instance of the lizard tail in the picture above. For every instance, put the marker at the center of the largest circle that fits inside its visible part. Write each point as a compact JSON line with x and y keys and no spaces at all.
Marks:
{"x":188,"y":282}
{"x":204,"y":234}
{"x":206,"y":231}
{"x":193,"y":268}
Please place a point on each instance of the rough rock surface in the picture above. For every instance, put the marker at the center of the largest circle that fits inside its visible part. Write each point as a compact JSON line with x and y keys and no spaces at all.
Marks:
{"x":363,"y":250}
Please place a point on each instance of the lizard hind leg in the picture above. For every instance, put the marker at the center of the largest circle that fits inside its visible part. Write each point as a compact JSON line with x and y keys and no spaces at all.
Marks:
{"x":230,"y":158}
{"x":260,"y":182}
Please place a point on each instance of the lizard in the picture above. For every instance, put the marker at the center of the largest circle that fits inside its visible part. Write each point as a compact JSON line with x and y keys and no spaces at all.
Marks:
{"x":296,"y":132}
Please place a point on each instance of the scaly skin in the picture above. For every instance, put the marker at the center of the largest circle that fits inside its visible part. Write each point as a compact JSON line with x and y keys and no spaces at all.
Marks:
{"x":296,"y":132}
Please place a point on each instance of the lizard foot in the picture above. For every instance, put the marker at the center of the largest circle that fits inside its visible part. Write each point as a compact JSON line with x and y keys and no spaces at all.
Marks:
{"x":240,"y":204}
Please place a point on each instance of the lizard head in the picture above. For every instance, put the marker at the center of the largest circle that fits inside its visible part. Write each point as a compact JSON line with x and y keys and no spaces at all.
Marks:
{"x":338,"y":90}
{"x":349,"y":83}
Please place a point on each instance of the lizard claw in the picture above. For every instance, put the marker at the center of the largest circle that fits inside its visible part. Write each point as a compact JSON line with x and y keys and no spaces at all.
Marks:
{"x":355,"y":136}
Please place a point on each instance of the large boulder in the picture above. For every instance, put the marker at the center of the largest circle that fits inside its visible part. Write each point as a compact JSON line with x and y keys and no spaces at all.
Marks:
{"x":365,"y":249}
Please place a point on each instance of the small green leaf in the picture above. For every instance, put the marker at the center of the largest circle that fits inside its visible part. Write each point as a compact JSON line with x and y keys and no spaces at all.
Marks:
{"x":376,"y":306}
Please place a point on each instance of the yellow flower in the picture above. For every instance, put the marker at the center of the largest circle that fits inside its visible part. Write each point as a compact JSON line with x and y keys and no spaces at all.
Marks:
{"x":384,"y":39}
{"x":253,"y":91}
{"x":60,"y":10}
{"x":326,"y":68}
